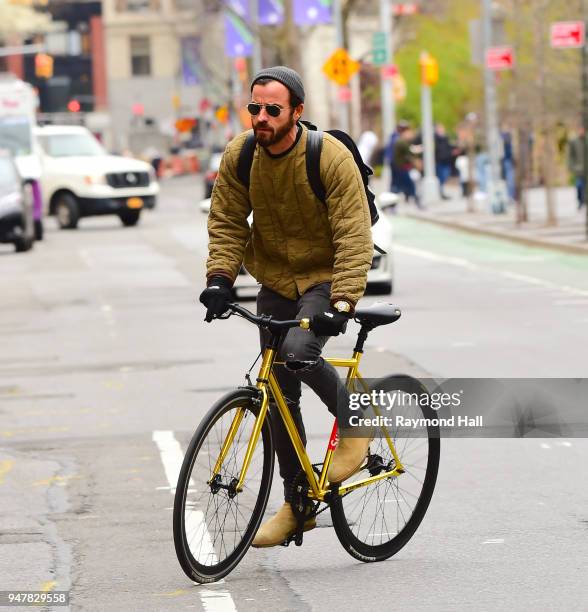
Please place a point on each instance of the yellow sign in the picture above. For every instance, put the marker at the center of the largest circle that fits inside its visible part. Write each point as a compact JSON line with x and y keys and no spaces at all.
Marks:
{"x":340,"y":67}
{"x":429,"y":69}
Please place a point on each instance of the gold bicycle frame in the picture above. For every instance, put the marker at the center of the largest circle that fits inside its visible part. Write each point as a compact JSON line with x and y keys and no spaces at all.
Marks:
{"x":319,"y":488}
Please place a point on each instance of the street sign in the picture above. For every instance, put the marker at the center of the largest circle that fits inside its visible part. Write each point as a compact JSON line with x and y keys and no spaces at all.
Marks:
{"x":406,"y":8}
{"x":391,"y":71}
{"x":340,"y":67}
{"x":344,"y":94}
{"x":567,"y":34}
{"x":499,"y":58}
{"x":379,"y":52}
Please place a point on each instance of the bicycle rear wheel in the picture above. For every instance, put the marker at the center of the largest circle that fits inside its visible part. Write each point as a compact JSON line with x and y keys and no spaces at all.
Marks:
{"x":375,"y":521}
{"x":213,"y":524}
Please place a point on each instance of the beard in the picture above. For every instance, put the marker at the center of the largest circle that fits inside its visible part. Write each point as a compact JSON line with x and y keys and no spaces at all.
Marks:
{"x":273,"y":135}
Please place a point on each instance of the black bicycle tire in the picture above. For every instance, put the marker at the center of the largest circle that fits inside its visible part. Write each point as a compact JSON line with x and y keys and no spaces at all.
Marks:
{"x":368,"y":553}
{"x":194,"y":570}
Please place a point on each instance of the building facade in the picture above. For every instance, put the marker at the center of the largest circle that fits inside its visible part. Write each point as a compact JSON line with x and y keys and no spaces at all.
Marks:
{"x":164,"y":61}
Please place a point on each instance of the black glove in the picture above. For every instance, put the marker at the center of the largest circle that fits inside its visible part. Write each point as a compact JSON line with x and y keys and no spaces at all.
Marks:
{"x":216,"y":297}
{"x":329,"y":323}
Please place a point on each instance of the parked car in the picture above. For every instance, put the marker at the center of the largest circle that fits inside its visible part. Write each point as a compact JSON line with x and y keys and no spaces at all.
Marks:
{"x":16,"y":207}
{"x":380,"y":279}
{"x":212,"y":173}
{"x":80,"y":179}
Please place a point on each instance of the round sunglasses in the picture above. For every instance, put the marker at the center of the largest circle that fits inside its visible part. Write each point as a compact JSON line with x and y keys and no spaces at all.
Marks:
{"x":273,"y":110}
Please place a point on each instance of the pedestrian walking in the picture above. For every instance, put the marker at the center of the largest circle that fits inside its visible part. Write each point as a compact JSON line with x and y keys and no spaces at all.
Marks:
{"x":462,"y":164}
{"x":508,"y":164}
{"x":576,"y":165}
{"x":443,"y":157}
{"x":403,"y":161}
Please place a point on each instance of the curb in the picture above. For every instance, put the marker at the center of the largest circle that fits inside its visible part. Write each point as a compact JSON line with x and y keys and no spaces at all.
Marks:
{"x":510,"y":237}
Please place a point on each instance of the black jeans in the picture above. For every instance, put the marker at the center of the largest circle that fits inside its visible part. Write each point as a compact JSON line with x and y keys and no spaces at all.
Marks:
{"x":301,"y":350}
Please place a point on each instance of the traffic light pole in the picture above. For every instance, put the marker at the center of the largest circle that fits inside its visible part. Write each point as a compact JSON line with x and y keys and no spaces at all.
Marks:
{"x":496,"y":186}
{"x":430,"y":181}
{"x":338,"y":18}
{"x":386,"y":94}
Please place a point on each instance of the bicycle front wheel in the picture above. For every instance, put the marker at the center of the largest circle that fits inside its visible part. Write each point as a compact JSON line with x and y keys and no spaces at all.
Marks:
{"x":375,"y":521}
{"x":213,"y":523}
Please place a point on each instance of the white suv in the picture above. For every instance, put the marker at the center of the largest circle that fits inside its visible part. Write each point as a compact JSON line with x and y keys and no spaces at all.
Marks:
{"x":80,"y":179}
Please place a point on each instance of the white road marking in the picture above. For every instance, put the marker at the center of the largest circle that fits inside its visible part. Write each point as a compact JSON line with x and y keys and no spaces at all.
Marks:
{"x":543,"y":445}
{"x":217,"y":601}
{"x":568,"y":444}
{"x":172,"y":458}
{"x":455,"y":261}
{"x":494,"y":541}
{"x":464,"y":263}
{"x":547,"y":284}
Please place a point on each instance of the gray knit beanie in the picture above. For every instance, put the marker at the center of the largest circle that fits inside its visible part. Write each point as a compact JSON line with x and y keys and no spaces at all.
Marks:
{"x":286,"y":76}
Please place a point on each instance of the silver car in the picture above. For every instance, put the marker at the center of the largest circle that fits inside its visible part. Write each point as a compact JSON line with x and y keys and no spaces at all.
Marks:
{"x":16,"y":207}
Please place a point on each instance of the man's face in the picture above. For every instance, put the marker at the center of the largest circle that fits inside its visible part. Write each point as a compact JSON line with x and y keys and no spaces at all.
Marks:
{"x":271,"y":130}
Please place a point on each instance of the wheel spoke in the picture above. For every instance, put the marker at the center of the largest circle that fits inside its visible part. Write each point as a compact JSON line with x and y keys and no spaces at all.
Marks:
{"x":370,"y":519}
{"x":215,"y":520}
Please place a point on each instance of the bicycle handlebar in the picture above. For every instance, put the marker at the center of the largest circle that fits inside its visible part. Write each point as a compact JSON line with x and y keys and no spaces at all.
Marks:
{"x":267,"y":322}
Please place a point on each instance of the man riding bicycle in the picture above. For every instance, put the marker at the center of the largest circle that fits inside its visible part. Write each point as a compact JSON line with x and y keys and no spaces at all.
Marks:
{"x":312,"y":261}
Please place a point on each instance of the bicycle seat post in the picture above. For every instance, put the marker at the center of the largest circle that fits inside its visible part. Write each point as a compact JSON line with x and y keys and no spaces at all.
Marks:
{"x":361,"y":338}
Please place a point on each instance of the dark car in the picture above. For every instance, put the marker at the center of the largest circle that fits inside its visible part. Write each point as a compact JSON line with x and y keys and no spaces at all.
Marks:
{"x":16,"y":207}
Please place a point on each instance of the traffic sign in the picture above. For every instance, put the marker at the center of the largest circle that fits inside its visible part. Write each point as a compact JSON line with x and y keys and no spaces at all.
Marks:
{"x":405,"y":8}
{"x":567,"y":34}
{"x":379,"y":51}
{"x":499,"y":58}
{"x":391,"y":71}
{"x":340,"y":67}
{"x":344,"y":94}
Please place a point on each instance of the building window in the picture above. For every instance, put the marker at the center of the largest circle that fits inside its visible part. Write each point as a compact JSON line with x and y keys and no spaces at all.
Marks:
{"x":140,"y":56}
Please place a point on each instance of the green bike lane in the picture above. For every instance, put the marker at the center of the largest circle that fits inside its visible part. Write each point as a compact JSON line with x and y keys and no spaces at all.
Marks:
{"x":482,"y":307}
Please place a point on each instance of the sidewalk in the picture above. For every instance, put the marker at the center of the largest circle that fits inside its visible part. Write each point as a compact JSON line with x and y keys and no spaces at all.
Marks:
{"x":568,"y":235}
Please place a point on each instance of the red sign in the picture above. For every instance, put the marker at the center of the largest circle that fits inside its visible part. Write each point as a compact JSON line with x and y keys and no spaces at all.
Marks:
{"x":499,"y":58}
{"x":391,"y":71}
{"x":567,"y":34}
{"x":344,"y":94}
{"x":407,"y":8}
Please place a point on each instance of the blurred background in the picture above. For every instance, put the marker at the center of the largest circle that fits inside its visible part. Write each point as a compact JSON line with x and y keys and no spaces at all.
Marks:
{"x":150,"y":76}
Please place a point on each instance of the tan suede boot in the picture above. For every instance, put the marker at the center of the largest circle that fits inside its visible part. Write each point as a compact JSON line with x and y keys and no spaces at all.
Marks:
{"x":279,"y":528}
{"x":348,"y":458}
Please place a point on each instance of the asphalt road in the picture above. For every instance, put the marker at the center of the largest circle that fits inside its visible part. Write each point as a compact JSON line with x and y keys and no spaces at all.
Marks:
{"x":105,"y":363}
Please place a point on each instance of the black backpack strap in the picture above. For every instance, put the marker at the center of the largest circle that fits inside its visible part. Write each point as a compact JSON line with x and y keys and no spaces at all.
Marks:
{"x":314,"y":145}
{"x":246,"y":159}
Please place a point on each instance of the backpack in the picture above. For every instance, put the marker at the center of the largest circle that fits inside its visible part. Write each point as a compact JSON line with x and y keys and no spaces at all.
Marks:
{"x":314,"y":145}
